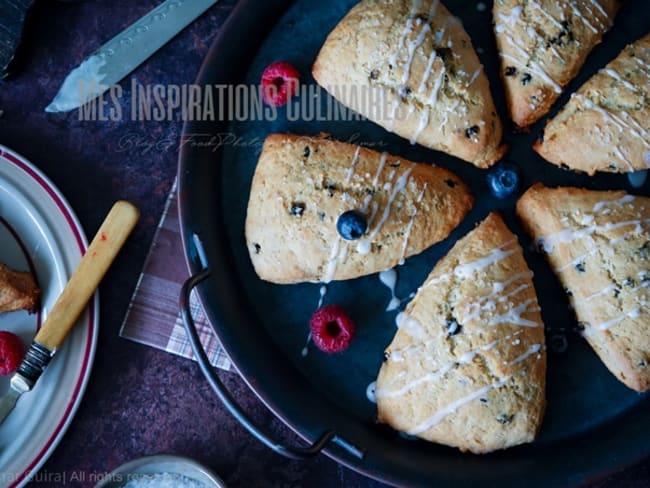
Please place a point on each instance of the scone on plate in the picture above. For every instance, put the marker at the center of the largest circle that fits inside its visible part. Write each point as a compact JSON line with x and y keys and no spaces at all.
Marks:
{"x":433,"y":89}
{"x":301,"y":187}
{"x":606,"y":124}
{"x":598,"y":243}
{"x":18,"y":290}
{"x":542,"y":45}
{"x":467,"y":366}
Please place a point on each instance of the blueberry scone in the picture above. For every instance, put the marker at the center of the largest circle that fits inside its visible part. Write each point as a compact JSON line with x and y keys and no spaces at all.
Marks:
{"x":599,"y":246}
{"x":467,"y":366}
{"x":605,"y":126}
{"x":18,"y":290}
{"x":323,"y":210}
{"x":542,"y":45}
{"x":418,"y":60}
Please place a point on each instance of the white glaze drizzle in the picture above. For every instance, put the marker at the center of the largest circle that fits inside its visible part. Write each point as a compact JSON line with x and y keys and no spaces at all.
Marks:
{"x":411,"y":47}
{"x":603,"y":291}
{"x":622,"y":157}
{"x":436,"y":280}
{"x":371,"y":392}
{"x":543,"y":11}
{"x":577,"y":260}
{"x":450,"y":109}
{"x":393,"y":114}
{"x":566,"y":236}
{"x":375,"y":182}
{"x":599,"y":206}
{"x":332,"y":262}
{"x":584,"y":19}
{"x":439,"y":35}
{"x":634,"y":313}
{"x":476,"y":74}
{"x":556,"y":52}
{"x":321,"y":299}
{"x":603,"y":207}
{"x":427,"y":378}
{"x":485,"y":302}
{"x":611,"y":287}
{"x":497,"y":254}
{"x":514,"y":315}
{"x":380,"y":168}
{"x":531,"y":66}
{"x":305,"y":350}
{"x":644,"y":67}
{"x":437,"y":85}
{"x":627,"y":123}
{"x":433,"y":8}
{"x":407,"y":232}
{"x":350,"y":171}
{"x":408,"y":28}
{"x":535,"y":348}
{"x":433,"y":97}
{"x":639,"y":130}
{"x":427,"y":71}
{"x":323,"y":292}
{"x":410,"y":325}
{"x":398,"y":354}
{"x":364,"y":244}
{"x":464,"y":359}
{"x":596,"y":4}
{"x":441,"y":414}
{"x":337,"y":254}
{"x":509,"y":20}
{"x":621,"y":80}
{"x":388,"y":278}
{"x":392,"y":60}
{"x":426,"y":109}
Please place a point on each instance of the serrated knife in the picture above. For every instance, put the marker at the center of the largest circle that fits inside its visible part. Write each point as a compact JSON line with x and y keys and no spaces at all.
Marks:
{"x":125,"y":52}
{"x":109,"y":239}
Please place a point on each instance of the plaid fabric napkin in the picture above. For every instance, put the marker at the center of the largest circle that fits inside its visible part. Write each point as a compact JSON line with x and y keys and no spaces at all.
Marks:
{"x":154,"y":317}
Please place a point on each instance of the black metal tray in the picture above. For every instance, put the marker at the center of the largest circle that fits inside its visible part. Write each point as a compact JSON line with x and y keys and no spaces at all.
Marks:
{"x":593,"y":424}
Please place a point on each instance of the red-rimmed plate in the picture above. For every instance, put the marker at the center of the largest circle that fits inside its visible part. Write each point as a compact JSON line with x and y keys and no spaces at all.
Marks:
{"x":39,"y":231}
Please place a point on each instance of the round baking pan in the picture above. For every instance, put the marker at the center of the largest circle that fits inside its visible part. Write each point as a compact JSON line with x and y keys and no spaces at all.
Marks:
{"x":593,"y":424}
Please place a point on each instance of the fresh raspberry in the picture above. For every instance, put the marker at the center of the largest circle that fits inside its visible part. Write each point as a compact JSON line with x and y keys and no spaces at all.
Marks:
{"x":11,"y":352}
{"x":331,"y":329}
{"x":279,"y":83}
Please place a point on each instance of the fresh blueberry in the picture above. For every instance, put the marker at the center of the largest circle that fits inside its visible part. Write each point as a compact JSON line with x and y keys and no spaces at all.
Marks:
{"x":503,"y":180}
{"x":352,"y":225}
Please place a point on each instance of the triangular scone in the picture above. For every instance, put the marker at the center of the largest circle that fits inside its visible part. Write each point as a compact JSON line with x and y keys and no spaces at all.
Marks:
{"x":18,"y":290}
{"x":303,"y":184}
{"x":606,"y":124}
{"x":467,"y":366}
{"x":599,"y":246}
{"x":542,"y":45}
{"x":419,"y":61}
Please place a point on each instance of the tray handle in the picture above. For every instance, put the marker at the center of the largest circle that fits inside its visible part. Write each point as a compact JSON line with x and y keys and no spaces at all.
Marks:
{"x":228,"y":400}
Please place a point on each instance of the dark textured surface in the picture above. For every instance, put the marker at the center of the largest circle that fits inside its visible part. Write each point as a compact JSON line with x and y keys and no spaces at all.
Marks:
{"x":141,"y":401}
{"x":12,"y":18}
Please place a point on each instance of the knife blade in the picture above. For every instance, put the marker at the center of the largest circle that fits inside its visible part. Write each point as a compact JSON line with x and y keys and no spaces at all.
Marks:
{"x":101,"y":252}
{"x":10,"y":398}
{"x":125,"y":52}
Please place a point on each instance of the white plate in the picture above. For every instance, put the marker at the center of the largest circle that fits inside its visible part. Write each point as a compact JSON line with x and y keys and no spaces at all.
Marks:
{"x":38,"y":229}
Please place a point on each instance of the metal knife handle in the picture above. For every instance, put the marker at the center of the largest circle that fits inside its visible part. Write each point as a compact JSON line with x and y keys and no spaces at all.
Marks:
{"x":93,"y":266}
{"x":34,"y":363}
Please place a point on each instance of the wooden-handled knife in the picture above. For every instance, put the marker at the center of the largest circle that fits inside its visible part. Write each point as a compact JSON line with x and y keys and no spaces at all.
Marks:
{"x":103,"y":249}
